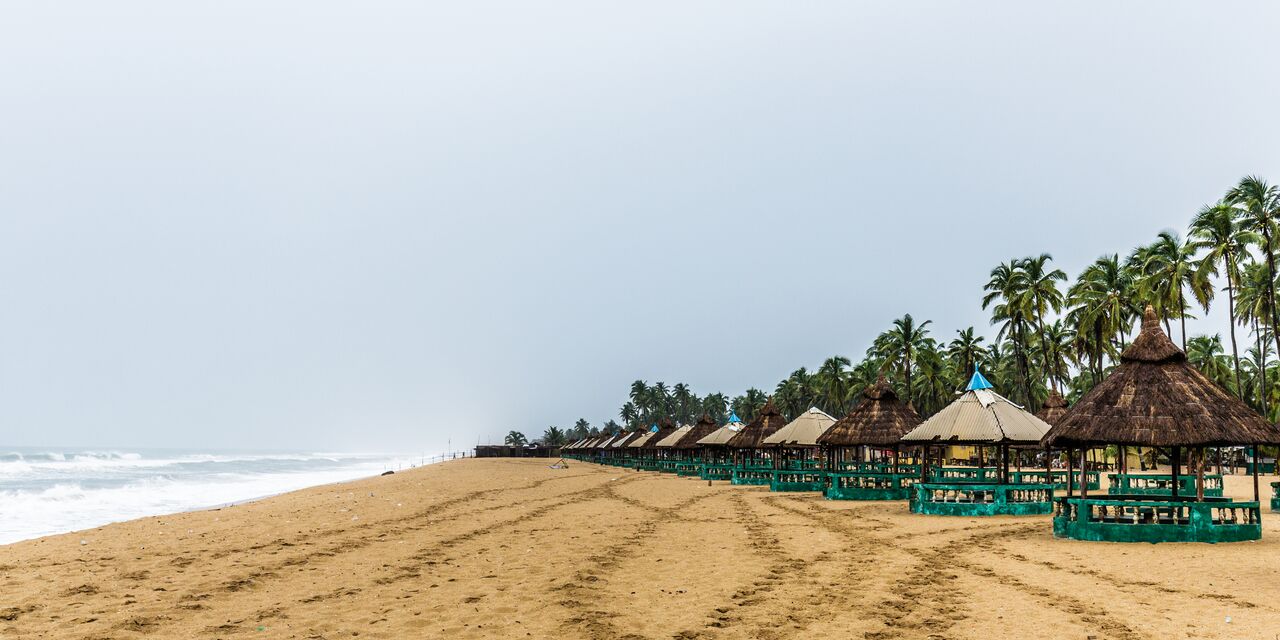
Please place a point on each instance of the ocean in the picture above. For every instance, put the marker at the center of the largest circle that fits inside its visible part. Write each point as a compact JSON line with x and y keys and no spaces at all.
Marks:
{"x":48,"y":491}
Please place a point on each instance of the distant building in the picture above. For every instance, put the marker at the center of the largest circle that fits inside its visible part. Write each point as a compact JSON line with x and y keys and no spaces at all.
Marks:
{"x":507,"y":451}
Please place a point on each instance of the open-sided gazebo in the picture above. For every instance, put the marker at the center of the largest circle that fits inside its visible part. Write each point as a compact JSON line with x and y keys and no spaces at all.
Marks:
{"x":796,"y":463}
{"x":645,"y":448}
{"x":616,"y":452}
{"x":1055,"y":406}
{"x":687,"y":451}
{"x":983,"y":418}
{"x":717,"y":458}
{"x":1155,"y":398}
{"x":752,"y":461}
{"x":878,"y":422}
{"x":668,"y":456}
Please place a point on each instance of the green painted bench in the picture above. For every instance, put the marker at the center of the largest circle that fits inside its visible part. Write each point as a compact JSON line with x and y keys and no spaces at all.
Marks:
{"x":752,"y":474}
{"x":797,"y":480}
{"x":1141,"y":518}
{"x":1161,"y":484}
{"x":1059,"y":479}
{"x":716,"y":471}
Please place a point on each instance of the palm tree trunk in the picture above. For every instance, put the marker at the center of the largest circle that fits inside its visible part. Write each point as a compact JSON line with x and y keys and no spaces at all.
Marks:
{"x":1271,"y":288}
{"x":1231,"y":310}
{"x":1182,"y":313}
{"x":1262,"y":371}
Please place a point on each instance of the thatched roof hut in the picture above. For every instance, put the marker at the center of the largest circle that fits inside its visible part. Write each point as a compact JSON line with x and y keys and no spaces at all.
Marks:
{"x":704,"y":427}
{"x":624,"y":439}
{"x":881,"y":419}
{"x":659,"y":432}
{"x":1155,"y":398}
{"x":804,"y":431}
{"x":766,"y":423}
{"x":1055,"y":406}
{"x":979,"y":416}
{"x":720,"y":437}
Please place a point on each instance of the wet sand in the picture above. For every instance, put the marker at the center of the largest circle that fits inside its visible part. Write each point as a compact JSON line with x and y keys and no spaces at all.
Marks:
{"x":501,"y":548}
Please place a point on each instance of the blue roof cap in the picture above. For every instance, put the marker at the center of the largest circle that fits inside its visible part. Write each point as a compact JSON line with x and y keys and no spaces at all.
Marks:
{"x":733,"y":417}
{"x":654,"y":428}
{"x":978,"y":381}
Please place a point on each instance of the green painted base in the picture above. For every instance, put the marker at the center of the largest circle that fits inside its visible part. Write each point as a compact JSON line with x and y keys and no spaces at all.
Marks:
{"x":752,"y":476}
{"x":688,"y":469}
{"x":1059,"y":479}
{"x":867,"y":485}
{"x":1142,"y":519}
{"x":790,"y":480}
{"x":1275,"y":496}
{"x":982,"y":499}
{"x":716,"y":472}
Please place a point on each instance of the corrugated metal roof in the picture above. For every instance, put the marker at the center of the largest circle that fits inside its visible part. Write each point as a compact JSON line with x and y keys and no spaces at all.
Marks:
{"x":804,"y":430}
{"x":980,"y":416}
{"x":671,"y":440}
{"x":722,"y":435}
{"x":640,"y":442}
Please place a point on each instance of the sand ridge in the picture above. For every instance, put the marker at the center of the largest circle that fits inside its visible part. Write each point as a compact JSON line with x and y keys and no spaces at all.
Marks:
{"x":500,"y":548}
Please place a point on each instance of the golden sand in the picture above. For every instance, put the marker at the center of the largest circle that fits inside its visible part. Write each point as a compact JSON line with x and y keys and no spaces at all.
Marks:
{"x":503,"y":548}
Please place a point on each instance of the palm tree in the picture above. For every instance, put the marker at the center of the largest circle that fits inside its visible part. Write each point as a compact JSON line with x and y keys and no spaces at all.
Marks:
{"x":553,"y":437}
{"x":1259,"y":206}
{"x":515,"y":439}
{"x":1216,"y":231}
{"x":899,"y":345}
{"x":1102,"y":306}
{"x":1205,"y":352}
{"x":715,"y":405}
{"x":581,"y":429}
{"x":1007,"y":287}
{"x":686,"y":403}
{"x":1056,"y":354}
{"x":747,"y":404}
{"x":832,"y":384}
{"x":966,"y":350}
{"x":1040,"y":291}
{"x":1168,"y":269}
{"x":630,"y":414}
{"x":1252,"y":309}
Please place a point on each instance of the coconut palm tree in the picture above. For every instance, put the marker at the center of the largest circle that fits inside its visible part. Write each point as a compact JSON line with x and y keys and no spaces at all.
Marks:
{"x":1217,"y":233}
{"x":1056,"y":353}
{"x":965,"y":350}
{"x":1167,"y":270}
{"x":553,"y":437}
{"x":831,"y":384}
{"x":1259,"y":206}
{"x":715,"y":405}
{"x":515,"y":439}
{"x":1006,"y":290}
{"x":748,"y":404}
{"x":1102,"y":305}
{"x":899,"y":345}
{"x":1205,"y":352}
{"x":1040,"y":290}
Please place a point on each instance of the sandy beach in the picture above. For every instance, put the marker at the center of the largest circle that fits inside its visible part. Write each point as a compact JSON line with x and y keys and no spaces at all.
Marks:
{"x":500,"y":548}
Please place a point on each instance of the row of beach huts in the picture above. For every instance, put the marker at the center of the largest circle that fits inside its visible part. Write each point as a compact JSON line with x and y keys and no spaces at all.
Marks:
{"x":1037,"y":464}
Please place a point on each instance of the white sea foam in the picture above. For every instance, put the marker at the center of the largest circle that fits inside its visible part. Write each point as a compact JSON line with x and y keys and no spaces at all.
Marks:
{"x":43,"y":492}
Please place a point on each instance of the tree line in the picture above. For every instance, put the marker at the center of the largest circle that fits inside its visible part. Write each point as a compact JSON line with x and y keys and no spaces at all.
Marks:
{"x":1053,"y":335}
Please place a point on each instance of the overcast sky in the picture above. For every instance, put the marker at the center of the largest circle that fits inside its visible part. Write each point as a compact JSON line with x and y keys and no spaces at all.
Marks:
{"x":381,"y":226}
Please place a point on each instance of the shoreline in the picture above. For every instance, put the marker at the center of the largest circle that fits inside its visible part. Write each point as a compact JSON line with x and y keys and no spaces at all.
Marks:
{"x":489,"y":548}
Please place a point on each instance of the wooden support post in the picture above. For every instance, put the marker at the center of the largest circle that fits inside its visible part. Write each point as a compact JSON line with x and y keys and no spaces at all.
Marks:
{"x":1256,"y":463}
{"x":1084,"y":486}
{"x":1198,"y":452}
{"x":1176,"y":458}
{"x":1070,"y":474}
{"x":895,"y":459}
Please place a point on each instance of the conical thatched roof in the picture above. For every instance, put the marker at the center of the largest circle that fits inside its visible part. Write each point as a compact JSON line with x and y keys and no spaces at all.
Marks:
{"x":1155,"y":398}
{"x":804,"y":431}
{"x":665,"y":427}
{"x":980,"y":416}
{"x":720,"y":437}
{"x":704,"y":427}
{"x":1055,"y":406}
{"x":881,"y":419}
{"x":765,"y":424}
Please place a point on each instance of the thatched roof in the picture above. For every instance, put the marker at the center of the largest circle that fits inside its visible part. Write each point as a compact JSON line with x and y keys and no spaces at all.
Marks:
{"x":624,"y":439}
{"x":803,"y":431}
{"x":766,"y":423}
{"x":980,"y":416}
{"x":881,"y":419}
{"x":704,"y":427}
{"x":1055,"y":406}
{"x":1155,"y":398}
